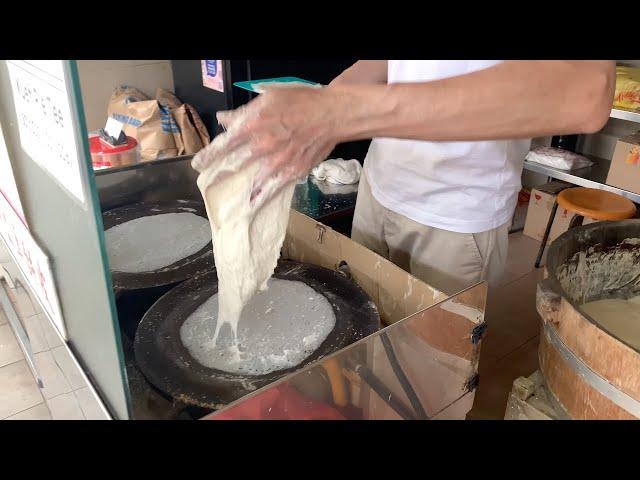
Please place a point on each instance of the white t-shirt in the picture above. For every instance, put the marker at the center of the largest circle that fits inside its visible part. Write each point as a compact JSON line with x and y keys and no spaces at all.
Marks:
{"x":466,"y":187}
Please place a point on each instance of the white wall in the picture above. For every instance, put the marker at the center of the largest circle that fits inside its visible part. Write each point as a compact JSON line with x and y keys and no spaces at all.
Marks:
{"x":603,"y":143}
{"x":98,"y":79}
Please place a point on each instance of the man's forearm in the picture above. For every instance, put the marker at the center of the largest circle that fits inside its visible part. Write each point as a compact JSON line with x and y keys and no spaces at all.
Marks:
{"x":515,"y":99}
{"x":363,"y":72}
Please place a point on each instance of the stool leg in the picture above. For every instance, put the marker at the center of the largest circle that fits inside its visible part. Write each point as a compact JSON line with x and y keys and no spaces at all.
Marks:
{"x":576,"y":221}
{"x":552,"y":217}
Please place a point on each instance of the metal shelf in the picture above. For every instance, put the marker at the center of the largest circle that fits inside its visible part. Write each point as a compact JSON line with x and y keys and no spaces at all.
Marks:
{"x":624,"y":114}
{"x":590,"y":177}
{"x":140,"y":165}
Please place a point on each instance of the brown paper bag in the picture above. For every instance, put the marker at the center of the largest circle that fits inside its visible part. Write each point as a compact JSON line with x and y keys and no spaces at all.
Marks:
{"x":200,"y":127}
{"x":193,"y":132}
{"x":149,"y":122}
{"x":167,"y":98}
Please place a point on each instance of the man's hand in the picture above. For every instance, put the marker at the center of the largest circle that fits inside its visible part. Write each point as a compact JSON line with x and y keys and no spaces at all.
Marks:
{"x":288,"y":130}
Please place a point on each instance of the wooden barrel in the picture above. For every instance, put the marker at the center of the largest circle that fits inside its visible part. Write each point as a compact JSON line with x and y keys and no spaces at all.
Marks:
{"x":591,"y":373}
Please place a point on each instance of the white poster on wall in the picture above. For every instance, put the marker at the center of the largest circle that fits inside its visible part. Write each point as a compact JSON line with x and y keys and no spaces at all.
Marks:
{"x":212,"y":76}
{"x":32,"y":261}
{"x":8,"y":187}
{"x":41,"y":99}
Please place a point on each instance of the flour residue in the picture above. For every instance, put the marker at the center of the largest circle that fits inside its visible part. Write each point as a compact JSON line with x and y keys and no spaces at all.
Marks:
{"x":599,"y":272}
{"x":156,"y":241}
{"x":470,"y":313}
{"x":278,"y":329}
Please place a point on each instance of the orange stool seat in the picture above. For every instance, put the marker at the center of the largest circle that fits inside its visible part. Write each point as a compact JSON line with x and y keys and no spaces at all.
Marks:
{"x":596,"y":204}
{"x":587,"y":202}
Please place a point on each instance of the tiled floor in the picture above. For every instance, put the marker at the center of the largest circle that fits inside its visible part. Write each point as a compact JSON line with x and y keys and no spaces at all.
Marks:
{"x":510,"y":347}
{"x":509,"y":350}
{"x":20,"y":397}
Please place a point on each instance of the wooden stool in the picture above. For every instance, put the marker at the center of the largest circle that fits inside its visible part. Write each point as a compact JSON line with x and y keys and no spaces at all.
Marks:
{"x":587,"y":202}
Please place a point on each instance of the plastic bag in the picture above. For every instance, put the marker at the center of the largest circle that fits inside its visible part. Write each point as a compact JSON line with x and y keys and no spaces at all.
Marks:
{"x":558,"y":158}
{"x":338,"y":171}
{"x":627,"y":88}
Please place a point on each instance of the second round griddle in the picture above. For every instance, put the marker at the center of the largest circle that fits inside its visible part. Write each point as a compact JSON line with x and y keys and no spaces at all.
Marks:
{"x":169,"y":366}
{"x":188,"y":267}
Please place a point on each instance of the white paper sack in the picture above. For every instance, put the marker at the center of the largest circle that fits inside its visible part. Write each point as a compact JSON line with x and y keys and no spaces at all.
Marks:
{"x":338,"y":171}
{"x":558,"y":158}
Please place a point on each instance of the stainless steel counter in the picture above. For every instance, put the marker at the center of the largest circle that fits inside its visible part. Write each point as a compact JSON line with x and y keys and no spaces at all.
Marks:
{"x":174,"y":178}
{"x":322,"y":201}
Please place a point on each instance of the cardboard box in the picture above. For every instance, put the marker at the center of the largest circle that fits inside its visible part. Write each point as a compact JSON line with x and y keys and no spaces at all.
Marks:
{"x":625,"y":165}
{"x":434,"y":342}
{"x":520,"y":213}
{"x":396,"y":293}
{"x":530,"y":400}
{"x":434,"y":337}
{"x":539,"y":210}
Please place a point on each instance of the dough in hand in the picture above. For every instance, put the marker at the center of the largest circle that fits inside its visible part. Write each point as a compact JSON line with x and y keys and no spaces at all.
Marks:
{"x":246,"y":240}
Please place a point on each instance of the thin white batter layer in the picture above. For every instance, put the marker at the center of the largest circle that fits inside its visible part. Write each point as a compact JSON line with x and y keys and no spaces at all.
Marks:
{"x":618,"y":316}
{"x":150,"y":243}
{"x":246,"y":240}
{"x":278,"y":329}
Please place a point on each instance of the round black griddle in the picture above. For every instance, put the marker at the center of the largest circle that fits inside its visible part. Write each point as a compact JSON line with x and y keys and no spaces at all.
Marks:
{"x":184,"y":269}
{"x":167,"y":364}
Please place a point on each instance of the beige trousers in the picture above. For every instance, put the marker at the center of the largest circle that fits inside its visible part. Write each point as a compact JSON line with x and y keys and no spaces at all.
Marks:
{"x":448,"y":261}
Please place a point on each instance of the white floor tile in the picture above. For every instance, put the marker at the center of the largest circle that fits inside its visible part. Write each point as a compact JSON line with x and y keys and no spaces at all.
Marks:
{"x":18,"y":389}
{"x":65,"y":407}
{"x":9,"y":349}
{"x":39,"y":412}
{"x":87,"y":402}
{"x":54,"y":381}
{"x":69,"y":368}
{"x":36,"y":335}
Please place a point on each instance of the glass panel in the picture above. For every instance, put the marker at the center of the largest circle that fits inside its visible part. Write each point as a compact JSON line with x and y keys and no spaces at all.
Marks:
{"x":67,"y":224}
{"x":422,"y":367}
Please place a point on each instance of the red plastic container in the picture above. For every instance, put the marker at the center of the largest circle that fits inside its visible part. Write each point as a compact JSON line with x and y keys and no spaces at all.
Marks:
{"x":104,"y":155}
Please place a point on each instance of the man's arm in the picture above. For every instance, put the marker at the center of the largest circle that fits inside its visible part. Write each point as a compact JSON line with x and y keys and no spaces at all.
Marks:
{"x":363,"y":71}
{"x":291,"y":130}
{"x":515,"y":99}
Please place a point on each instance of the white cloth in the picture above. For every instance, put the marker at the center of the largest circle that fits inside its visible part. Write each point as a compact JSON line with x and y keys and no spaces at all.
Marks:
{"x":466,"y":187}
{"x":334,"y":189}
{"x":338,"y":171}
